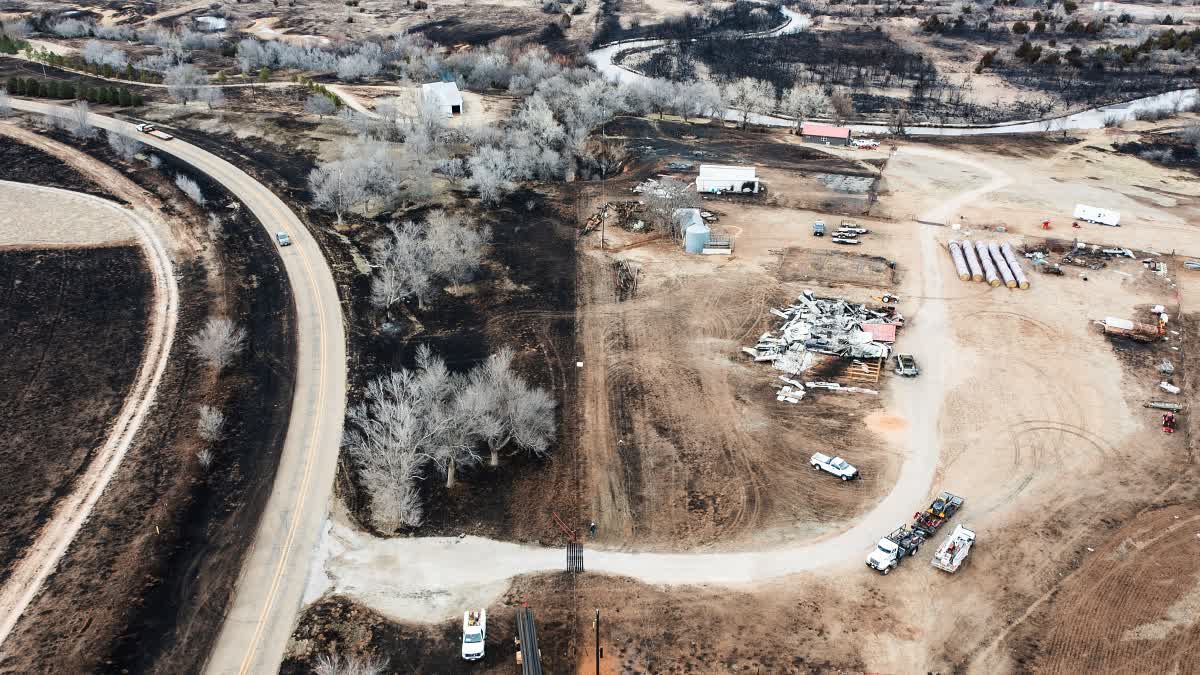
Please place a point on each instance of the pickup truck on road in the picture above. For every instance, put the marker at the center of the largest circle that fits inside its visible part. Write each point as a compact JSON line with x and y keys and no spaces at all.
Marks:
{"x":890,"y":550}
{"x":474,"y":633}
{"x":152,"y":130}
{"x":834,"y":465}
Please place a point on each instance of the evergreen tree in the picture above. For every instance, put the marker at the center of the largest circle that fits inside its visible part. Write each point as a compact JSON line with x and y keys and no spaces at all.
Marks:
{"x":124,"y":98}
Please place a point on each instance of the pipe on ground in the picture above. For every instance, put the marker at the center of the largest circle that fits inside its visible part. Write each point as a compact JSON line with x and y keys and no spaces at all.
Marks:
{"x":1015,"y":266}
{"x":960,"y":263}
{"x":998,"y":257}
{"x":972,"y":260}
{"x":989,"y":270}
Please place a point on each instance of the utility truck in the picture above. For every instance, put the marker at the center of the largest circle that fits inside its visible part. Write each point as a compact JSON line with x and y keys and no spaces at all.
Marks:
{"x":954,"y":551}
{"x":890,"y":550}
{"x":834,"y":465}
{"x":474,"y":632}
{"x":151,"y":130}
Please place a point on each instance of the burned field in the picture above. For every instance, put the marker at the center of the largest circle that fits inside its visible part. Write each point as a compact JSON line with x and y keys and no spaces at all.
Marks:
{"x":74,"y":322}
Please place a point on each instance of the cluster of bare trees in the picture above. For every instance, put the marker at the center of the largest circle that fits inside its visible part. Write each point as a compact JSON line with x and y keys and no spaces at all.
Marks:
{"x":334,"y":664}
{"x":217,"y":344}
{"x":126,"y":147}
{"x":101,"y":54}
{"x":75,"y":120}
{"x":186,"y":83}
{"x":664,"y":199}
{"x":367,"y":174}
{"x":190,"y":188}
{"x":429,"y":417}
{"x":413,"y":258}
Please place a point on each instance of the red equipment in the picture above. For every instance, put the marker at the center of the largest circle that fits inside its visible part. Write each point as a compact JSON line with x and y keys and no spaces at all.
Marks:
{"x":1168,"y":423}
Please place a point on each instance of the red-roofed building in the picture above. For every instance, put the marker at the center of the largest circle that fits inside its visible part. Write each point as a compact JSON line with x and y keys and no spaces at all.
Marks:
{"x":825,"y":133}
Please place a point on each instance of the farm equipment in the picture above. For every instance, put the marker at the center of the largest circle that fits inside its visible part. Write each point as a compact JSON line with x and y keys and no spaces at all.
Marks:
{"x":941,"y":510}
{"x":954,"y":551}
{"x":890,"y":550}
{"x":1139,"y":332}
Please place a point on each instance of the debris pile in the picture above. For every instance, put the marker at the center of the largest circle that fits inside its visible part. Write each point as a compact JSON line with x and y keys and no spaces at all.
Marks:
{"x":623,"y":212}
{"x":825,"y":326}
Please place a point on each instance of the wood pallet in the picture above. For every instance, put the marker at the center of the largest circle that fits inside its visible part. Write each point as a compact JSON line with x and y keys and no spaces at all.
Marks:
{"x":863,"y":371}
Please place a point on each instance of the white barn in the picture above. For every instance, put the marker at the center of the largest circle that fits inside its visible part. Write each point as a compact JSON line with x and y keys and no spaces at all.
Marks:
{"x":718,"y":178}
{"x":446,"y":95}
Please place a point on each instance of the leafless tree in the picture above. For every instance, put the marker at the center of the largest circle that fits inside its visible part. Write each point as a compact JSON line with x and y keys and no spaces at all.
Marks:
{"x":218,"y":342}
{"x":804,"y":102}
{"x":509,"y":411}
{"x":126,"y":147}
{"x":5,"y":103}
{"x":337,"y":187}
{"x":184,"y":82}
{"x":842,"y":105}
{"x":402,"y":268}
{"x":319,"y":105}
{"x":205,"y":457}
{"x":662,"y":200}
{"x":78,"y":121}
{"x":98,"y":53}
{"x":332,"y":664}
{"x":190,"y":188}
{"x":210,"y":422}
{"x":749,"y":97}
{"x":455,"y":250}
{"x":213,"y":96}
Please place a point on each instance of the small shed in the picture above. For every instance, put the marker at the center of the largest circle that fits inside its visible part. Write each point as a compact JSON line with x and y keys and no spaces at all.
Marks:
{"x":446,"y":95}
{"x":718,"y":178}
{"x":825,"y":133}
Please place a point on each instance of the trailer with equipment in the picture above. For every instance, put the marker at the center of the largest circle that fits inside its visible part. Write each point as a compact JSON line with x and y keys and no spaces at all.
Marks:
{"x":941,"y":510}
{"x":954,"y":551}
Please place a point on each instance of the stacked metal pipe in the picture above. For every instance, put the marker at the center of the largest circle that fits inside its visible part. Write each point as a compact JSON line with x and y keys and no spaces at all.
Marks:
{"x":998,"y":258}
{"x":989,"y":269}
{"x":960,"y":263}
{"x":1015,"y":265}
{"x":972,"y":260}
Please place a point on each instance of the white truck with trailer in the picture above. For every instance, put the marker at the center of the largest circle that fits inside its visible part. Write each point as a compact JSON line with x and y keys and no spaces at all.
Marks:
{"x":474,"y":633}
{"x":954,"y":550}
{"x":1096,"y":215}
{"x":151,"y":130}
{"x":890,"y":550}
{"x":834,"y":465}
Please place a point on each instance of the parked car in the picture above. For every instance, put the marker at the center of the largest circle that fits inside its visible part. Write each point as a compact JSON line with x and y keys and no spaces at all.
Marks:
{"x":865,"y":143}
{"x":906,"y":365}
{"x":819,"y":228}
{"x":283,"y":239}
{"x":834,"y":465}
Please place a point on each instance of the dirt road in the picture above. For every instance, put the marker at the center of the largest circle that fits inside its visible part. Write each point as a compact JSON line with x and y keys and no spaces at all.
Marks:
{"x":398,"y":576}
{"x":73,"y":510}
{"x":272,"y":582}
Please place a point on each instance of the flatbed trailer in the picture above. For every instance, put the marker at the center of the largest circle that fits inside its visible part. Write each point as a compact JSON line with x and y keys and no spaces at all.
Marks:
{"x":941,"y":510}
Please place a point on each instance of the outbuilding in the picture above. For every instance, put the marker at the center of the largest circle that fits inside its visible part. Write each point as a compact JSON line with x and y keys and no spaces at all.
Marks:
{"x":445,"y":95}
{"x":718,"y":178}
{"x":827,"y":134}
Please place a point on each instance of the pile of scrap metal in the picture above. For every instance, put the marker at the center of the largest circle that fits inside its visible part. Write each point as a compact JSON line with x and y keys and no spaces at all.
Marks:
{"x":624,"y":212}
{"x":822,"y":326}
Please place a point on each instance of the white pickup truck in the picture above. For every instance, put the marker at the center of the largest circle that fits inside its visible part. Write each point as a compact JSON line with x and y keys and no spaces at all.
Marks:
{"x":834,"y":465}
{"x":474,"y":632}
{"x":864,"y":143}
{"x":152,"y":130}
{"x":954,"y":551}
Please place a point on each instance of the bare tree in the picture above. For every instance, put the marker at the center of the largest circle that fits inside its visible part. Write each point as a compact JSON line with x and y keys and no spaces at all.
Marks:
{"x":804,"y":102}
{"x":205,"y":457}
{"x":749,"y":97}
{"x":509,"y":411}
{"x":190,"y":188}
{"x":78,"y":121}
{"x":337,"y":187}
{"x":184,"y":82}
{"x":662,"y":200}
{"x":402,"y":268}
{"x":491,"y":174}
{"x":98,"y":53}
{"x":5,"y":103}
{"x":126,"y":147}
{"x":210,"y":423}
{"x":213,"y":96}
{"x":218,"y":342}
{"x":329,"y":664}
{"x":843,"y":106}
{"x":319,"y":105}
{"x":455,"y":251}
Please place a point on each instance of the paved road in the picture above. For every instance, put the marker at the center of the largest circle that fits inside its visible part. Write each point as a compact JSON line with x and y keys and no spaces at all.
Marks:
{"x":272,"y":581}
{"x":1092,"y":118}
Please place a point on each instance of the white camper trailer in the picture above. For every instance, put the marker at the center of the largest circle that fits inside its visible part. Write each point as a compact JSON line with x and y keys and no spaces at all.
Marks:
{"x":1094,"y":215}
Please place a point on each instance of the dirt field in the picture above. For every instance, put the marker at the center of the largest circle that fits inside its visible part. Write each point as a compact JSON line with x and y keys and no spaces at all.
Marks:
{"x":74,"y":323}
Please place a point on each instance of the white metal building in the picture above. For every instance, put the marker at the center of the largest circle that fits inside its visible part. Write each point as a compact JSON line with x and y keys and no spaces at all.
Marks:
{"x":446,"y":95}
{"x":718,"y":178}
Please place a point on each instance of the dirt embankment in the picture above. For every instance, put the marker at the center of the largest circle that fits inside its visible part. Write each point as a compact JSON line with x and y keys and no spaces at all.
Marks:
{"x":74,"y":323}
{"x":159,"y":556}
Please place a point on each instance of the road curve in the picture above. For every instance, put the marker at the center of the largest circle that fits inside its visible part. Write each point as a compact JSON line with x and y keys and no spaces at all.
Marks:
{"x":263,"y":610}
{"x":42,"y":556}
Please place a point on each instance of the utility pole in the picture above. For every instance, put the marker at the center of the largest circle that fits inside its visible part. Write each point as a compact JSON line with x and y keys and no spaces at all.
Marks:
{"x":599,"y":651}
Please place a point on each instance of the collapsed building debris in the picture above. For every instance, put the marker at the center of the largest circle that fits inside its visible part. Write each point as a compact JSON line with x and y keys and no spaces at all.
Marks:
{"x":823,"y":326}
